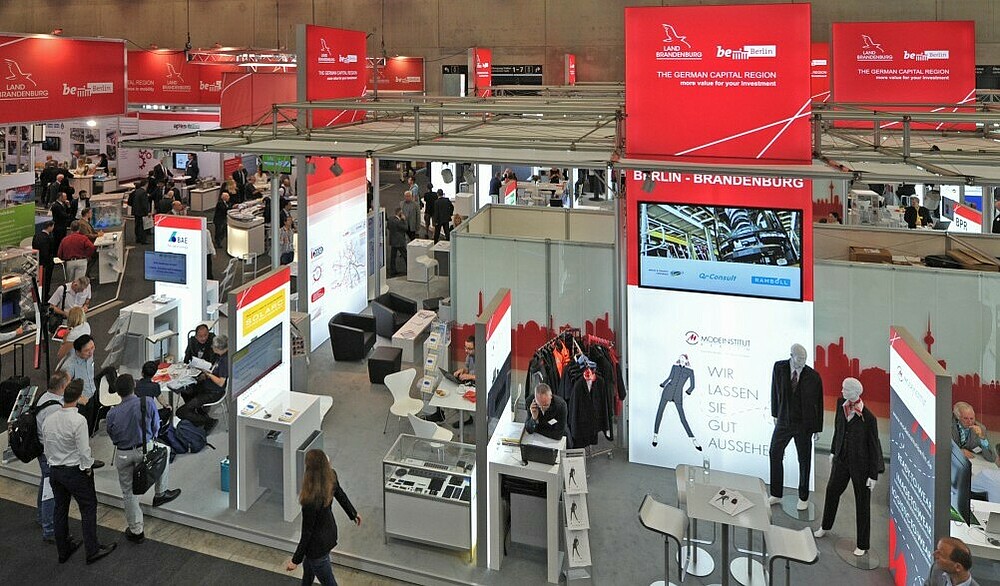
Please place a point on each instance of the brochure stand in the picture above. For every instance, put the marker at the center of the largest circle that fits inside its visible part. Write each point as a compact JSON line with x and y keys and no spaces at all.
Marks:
{"x":577,"y":518}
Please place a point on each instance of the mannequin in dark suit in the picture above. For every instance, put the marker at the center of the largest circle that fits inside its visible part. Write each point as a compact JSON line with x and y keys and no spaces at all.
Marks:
{"x":857,"y":458}
{"x":681,"y":374}
{"x":797,"y":409}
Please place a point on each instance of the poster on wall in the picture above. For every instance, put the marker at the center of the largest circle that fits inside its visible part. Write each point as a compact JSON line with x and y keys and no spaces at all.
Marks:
{"x":920,"y":495}
{"x":719,"y":288}
{"x":48,"y":78}
{"x":334,"y":67}
{"x":905,"y":62}
{"x":337,"y":234}
{"x":481,"y":63}
{"x":700,"y":60}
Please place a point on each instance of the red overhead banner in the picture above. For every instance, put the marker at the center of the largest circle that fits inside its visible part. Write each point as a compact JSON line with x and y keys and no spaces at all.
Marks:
{"x":166,"y":77}
{"x":820,"y":72}
{"x":905,"y":62}
{"x":49,"y":78}
{"x":570,"y":68}
{"x":247,"y":98}
{"x":334,"y":67}
{"x":720,"y":82}
{"x":481,"y":70}
{"x":399,"y":74}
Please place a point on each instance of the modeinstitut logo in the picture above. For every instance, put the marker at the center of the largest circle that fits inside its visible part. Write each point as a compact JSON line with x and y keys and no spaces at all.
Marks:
{"x":717,"y":342}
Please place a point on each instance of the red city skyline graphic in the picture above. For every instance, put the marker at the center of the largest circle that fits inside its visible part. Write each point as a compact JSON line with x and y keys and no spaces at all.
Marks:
{"x":822,"y":207}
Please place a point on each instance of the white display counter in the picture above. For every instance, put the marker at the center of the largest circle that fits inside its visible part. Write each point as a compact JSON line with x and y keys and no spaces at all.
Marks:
{"x":148,"y":319}
{"x":110,"y":251}
{"x":245,"y":237}
{"x":415,"y":249}
{"x":202,"y":200}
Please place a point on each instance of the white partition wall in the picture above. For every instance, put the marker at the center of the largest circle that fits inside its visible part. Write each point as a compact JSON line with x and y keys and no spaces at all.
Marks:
{"x":183,"y":235}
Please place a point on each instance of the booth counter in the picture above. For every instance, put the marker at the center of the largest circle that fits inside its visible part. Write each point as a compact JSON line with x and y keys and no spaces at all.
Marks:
{"x":244,"y":235}
{"x":205,"y":198}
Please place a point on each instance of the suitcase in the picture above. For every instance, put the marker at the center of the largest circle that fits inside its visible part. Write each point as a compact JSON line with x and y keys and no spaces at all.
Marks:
{"x":12,"y":385}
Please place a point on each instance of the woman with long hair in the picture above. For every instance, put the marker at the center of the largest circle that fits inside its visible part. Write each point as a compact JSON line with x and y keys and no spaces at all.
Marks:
{"x":319,"y":529}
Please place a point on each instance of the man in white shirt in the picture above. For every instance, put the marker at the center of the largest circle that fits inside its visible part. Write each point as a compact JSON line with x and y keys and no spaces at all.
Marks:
{"x":67,"y":448}
{"x":77,"y":295}
{"x":952,"y":564}
{"x":46,"y":504}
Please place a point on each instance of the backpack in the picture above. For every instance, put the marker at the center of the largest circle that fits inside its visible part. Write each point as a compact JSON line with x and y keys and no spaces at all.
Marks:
{"x":23,"y":436}
{"x":186,"y":438}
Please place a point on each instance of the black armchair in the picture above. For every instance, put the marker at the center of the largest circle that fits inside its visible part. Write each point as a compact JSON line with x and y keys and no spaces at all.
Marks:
{"x":351,"y":336}
{"x":391,"y":311}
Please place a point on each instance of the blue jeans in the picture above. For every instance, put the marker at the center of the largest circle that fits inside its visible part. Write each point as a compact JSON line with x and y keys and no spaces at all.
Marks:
{"x":320,"y":569}
{"x":46,"y":508}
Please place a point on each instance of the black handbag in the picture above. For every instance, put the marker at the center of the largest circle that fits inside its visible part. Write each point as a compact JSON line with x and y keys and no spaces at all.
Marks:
{"x":54,"y":320}
{"x":148,"y":470}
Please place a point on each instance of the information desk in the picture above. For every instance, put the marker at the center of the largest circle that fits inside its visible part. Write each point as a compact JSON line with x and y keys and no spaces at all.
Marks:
{"x":244,"y":235}
{"x":147,"y":318}
{"x":252,"y":427}
{"x":506,"y":461}
{"x":411,"y":335}
{"x":110,"y":250}
{"x":429,"y":493}
{"x":204,"y":199}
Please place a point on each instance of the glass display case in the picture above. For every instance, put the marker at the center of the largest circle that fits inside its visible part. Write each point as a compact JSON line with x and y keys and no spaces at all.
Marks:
{"x":428,"y":490}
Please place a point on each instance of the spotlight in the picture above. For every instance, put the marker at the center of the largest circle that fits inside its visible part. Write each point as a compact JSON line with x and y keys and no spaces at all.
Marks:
{"x":335,"y":168}
{"x":648,"y":185}
{"x":447,"y":175}
{"x":91,"y":123}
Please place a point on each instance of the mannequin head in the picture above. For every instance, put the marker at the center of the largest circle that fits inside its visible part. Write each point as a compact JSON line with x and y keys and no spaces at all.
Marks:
{"x":851,"y":389}
{"x":798,"y":356}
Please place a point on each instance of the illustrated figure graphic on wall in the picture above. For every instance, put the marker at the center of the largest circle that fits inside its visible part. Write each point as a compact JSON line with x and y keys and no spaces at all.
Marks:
{"x":857,"y":458}
{"x":576,"y":547}
{"x":572,"y":512}
{"x":681,"y":374}
{"x":572,"y":476}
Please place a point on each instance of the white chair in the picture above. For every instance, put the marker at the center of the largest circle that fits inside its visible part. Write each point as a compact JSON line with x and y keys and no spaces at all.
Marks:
{"x":399,"y":384}
{"x":792,"y":546}
{"x":429,"y":430}
{"x":224,"y":402}
{"x":105,"y":394}
{"x":671,"y":523}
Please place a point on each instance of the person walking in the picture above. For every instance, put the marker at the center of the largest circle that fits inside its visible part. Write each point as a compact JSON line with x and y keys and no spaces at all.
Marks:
{"x":132,"y":427}
{"x":138,"y":201}
{"x":443,"y":209}
{"x":67,"y":448}
{"x":411,"y":212}
{"x":46,"y":502}
{"x":320,"y":486}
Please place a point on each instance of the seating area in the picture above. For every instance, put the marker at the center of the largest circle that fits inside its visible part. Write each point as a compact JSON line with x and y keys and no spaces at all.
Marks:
{"x":352,"y":336}
{"x":391,"y":311}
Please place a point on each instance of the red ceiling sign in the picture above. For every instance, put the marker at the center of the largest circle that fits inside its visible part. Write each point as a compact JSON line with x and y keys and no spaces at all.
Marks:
{"x":248,"y":98}
{"x":719,"y":82}
{"x":333,"y":67}
{"x":930,"y":63}
{"x":570,"y":68}
{"x":399,"y":74}
{"x":820,"y":72}
{"x":50,"y":78}
{"x":166,"y":77}
{"x":481,"y":68}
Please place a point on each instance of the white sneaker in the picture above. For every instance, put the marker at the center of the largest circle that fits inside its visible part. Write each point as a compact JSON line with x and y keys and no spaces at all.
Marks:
{"x":655,"y":440}
{"x":802,"y":505}
{"x":819,"y":533}
{"x":773,"y":500}
{"x":860,"y":552}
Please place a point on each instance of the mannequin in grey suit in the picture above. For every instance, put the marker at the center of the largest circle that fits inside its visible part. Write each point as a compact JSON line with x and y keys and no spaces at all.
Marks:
{"x":673,"y":390}
{"x":952,"y":564}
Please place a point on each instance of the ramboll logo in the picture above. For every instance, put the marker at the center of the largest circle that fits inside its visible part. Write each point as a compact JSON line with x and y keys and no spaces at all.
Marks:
{"x":676,"y":46}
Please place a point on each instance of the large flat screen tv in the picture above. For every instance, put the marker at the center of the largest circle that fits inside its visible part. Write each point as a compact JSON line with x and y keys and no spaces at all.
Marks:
{"x":165,"y":267}
{"x":181,"y":160}
{"x":256,"y":359}
{"x":753,"y":252}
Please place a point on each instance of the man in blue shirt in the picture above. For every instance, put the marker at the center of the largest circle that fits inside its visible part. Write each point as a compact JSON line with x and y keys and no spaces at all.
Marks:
{"x":126,"y":422}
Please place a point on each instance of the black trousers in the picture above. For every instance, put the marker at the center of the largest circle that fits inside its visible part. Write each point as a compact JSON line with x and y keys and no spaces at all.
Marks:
{"x":437,"y":231}
{"x":90,"y":411}
{"x":73,"y":482}
{"x":47,"y":271}
{"x":680,"y":411}
{"x":140,"y":232}
{"x":803,"y":446}
{"x":193,"y":409}
{"x":840,"y":474}
{"x":220,"y":233}
{"x":395,"y":251}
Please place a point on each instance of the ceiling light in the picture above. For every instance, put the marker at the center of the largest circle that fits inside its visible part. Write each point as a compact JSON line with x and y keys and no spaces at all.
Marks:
{"x":447,"y":175}
{"x":91,"y":123}
{"x":335,"y":168}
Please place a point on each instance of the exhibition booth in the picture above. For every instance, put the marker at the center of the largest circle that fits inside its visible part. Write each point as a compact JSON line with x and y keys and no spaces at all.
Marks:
{"x":694,"y":288}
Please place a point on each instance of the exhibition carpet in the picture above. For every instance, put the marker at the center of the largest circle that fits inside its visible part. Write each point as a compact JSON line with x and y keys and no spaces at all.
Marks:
{"x":27,"y":560}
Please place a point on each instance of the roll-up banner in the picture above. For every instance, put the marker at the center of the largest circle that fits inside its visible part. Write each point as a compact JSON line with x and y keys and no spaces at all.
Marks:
{"x":921,"y":491}
{"x":48,"y":78}
{"x":930,"y":63}
{"x":337,"y":247}
{"x":481,"y":68}
{"x":332,"y":66}
{"x":719,"y":288}
{"x":399,"y":74}
{"x":720,"y":82}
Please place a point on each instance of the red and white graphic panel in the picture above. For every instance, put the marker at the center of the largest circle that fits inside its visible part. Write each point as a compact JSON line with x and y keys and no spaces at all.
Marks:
{"x":481,"y":71}
{"x":569,"y":66}
{"x":333,"y":67}
{"x":399,"y":74}
{"x":819,"y":72}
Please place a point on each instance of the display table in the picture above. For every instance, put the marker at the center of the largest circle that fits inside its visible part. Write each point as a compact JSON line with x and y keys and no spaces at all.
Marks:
{"x":244,"y":236}
{"x":428,"y":492}
{"x":415,"y":249}
{"x":147,"y":319}
{"x":506,"y":461}
{"x":110,"y":251}
{"x":442,"y":254}
{"x":298,"y":433}
{"x":452,"y":396}
{"x":465,"y":204}
{"x":411,"y":335}
{"x":202,"y":200}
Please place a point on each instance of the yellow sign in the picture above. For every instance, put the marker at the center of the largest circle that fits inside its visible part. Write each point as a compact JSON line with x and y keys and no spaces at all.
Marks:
{"x":266,"y":310}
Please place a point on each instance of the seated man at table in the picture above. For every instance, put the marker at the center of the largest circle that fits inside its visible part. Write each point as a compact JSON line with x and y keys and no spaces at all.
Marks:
{"x":210,"y":388}
{"x":145,"y":387}
{"x":200,"y":345}
{"x":548,"y":414}
{"x":969,"y":434}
